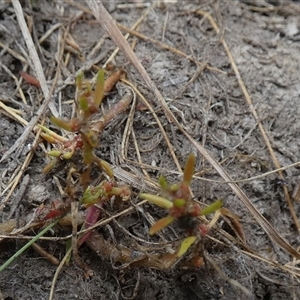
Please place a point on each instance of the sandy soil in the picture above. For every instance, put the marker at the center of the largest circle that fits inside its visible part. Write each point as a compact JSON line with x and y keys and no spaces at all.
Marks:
{"x":208,"y":100}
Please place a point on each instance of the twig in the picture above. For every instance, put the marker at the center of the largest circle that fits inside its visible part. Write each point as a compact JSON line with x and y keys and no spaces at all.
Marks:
{"x":33,"y":55}
{"x":42,"y":252}
{"x":19,"y":197}
{"x":59,"y":268}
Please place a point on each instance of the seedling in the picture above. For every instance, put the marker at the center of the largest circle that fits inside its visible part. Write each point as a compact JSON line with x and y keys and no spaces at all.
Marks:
{"x":177,"y":199}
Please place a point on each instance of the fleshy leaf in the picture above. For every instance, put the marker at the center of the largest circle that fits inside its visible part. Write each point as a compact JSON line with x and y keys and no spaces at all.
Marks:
{"x":83,"y":103}
{"x":186,"y":244}
{"x":61,"y":123}
{"x":157,"y":200}
{"x":211,"y":208}
{"x":79,"y":81}
{"x":49,"y":166}
{"x":48,"y":138}
{"x":163,"y":182}
{"x":93,"y":214}
{"x":54,"y":153}
{"x":189,"y":169}
{"x":99,"y":89}
{"x":160,"y":224}
{"x":51,"y":134}
{"x":67,"y":155}
{"x":92,"y":195}
{"x":106,"y":167}
{"x":179,"y":202}
{"x":174,"y":187}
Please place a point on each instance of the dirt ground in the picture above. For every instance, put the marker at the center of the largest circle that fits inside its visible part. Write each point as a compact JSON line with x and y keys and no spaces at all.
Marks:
{"x":207,"y":99}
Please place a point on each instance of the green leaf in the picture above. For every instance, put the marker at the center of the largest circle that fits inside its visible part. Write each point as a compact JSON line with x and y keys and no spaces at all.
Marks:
{"x":106,"y":167}
{"x":99,"y":88}
{"x":91,"y":195}
{"x":211,"y":208}
{"x":54,"y":153}
{"x":179,"y":202}
{"x":79,"y":81}
{"x":61,"y":123}
{"x":83,"y":103}
{"x":163,"y":182}
{"x":186,"y":244}
{"x":157,"y":200}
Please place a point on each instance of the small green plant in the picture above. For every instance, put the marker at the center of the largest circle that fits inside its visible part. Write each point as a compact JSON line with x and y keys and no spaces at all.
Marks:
{"x":84,"y":142}
{"x":88,"y":103}
{"x":176,"y":198}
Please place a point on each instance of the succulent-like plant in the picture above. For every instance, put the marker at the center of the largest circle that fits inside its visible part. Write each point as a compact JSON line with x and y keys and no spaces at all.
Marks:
{"x":176,"y":198}
{"x":84,"y":140}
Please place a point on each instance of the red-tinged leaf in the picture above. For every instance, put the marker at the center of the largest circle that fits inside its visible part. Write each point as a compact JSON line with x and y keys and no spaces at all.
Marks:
{"x":203,"y":229}
{"x":189,"y":169}
{"x":196,"y":261}
{"x":160,"y":224}
{"x":99,"y":88}
{"x":54,"y":209}
{"x":30,"y":79}
{"x":93,"y":214}
{"x":235,"y":222}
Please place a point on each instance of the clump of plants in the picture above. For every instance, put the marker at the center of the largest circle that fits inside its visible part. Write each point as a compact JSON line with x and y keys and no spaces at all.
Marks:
{"x":78,"y":153}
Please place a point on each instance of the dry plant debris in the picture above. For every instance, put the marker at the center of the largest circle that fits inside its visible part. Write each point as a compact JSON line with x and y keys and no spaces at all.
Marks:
{"x":99,"y":167}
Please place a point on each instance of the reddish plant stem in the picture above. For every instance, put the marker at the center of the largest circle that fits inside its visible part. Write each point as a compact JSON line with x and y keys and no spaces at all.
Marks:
{"x":93,"y":214}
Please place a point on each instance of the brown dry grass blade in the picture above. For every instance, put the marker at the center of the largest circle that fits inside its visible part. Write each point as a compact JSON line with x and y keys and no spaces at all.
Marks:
{"x":111,"y":28}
